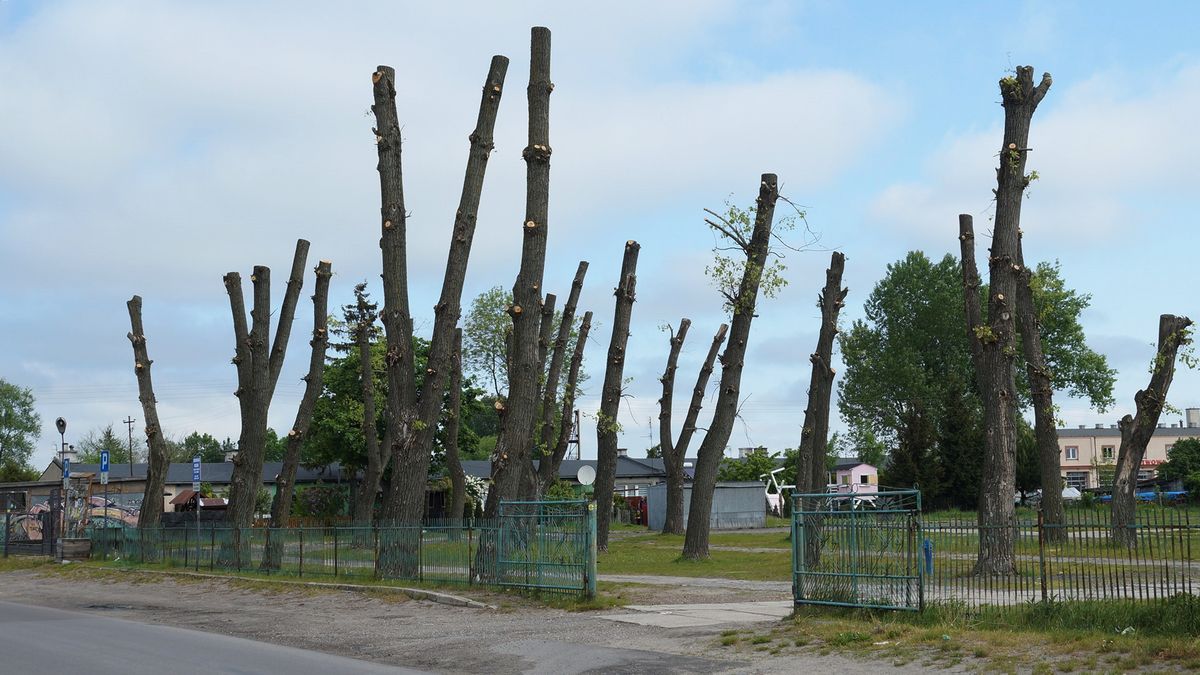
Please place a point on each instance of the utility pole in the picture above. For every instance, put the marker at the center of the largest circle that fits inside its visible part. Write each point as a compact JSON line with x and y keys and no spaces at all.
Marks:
{"x":129,"y":423}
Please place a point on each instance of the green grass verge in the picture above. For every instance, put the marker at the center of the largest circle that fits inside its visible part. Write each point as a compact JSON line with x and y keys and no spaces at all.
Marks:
{"x":659,"y":554}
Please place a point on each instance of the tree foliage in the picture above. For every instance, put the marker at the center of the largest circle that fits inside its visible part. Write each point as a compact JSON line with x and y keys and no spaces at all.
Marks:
{"x":19,"y":426}
{"x":95,"y":441}
{"x":1183,"y":463}
{"x":909,"y":381}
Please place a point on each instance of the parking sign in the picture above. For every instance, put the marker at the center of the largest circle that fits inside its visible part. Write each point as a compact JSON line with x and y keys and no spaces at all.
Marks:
{"x":104,"y":467}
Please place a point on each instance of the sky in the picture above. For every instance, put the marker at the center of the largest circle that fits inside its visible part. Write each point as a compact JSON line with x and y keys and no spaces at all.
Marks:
{"x":150,"y":147}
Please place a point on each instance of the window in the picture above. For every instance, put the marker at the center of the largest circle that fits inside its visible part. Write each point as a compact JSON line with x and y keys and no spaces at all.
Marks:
{"x":845,"y":479}
{"x":1072,"y":452}
{"x":1077,"y":479}
{"x":864,"y":479}
{"x":1145,"y":474}
{"x":1107,"y":452}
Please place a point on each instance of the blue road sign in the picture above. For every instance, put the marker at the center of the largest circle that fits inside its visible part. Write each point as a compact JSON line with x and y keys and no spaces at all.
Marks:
{"x":66,"y":467}
{"x":104,"y":461}
{"x":195,"y":473}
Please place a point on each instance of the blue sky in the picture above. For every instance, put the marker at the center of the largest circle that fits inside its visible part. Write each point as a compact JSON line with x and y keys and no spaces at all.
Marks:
{"x":151,"y":147}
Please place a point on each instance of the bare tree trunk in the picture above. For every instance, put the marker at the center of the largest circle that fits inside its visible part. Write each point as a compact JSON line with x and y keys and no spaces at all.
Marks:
{"x":281,"y":504}
{"x":548,"y":467}
{"x":458,"y":479}
{"x":156,"y":471}
{"x":610,"y":396}
{"x":1042,"y":392}
{"x":258,"y":366}
{"x":712,"y":448}
{"x":545,"y":331}
{"x":814,"y":436}
{"x":996,"y":340}
{"x":674,"y":451}
{"x":1136,"y":430}
{"x":412,"y":418}
{"x":512,"y":476}
{"x":550,"y":393}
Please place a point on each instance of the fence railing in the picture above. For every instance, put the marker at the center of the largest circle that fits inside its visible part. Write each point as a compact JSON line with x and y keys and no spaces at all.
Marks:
{"x":1075,"y":560}
{"x":29,"y":532}
{"x":553,"y":552}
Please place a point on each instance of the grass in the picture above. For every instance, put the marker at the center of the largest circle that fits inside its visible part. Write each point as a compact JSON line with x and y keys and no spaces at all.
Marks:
{"x":659,"y":554}
{"x":1039,"y":637}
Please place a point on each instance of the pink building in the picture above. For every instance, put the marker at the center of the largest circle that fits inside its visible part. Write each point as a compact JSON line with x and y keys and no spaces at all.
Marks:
{"x":852,"y":476}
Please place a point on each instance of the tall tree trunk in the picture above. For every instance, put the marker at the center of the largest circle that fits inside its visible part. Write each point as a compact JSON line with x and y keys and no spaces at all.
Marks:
{"x":674,"y":451}
{"x":545,"y":332}
{"x":548,"y":467}
{"x":610,"y":396}
{"x":1041,"y":390}
{"x":285,"y":482}
{"x":258,"y":365}
{"x":554,"y":373}
{"x":996,"y":340}
{"x":156,"y":472}
{"x":458,"y":479}
{"x":512,"y":476}
{"x":712,"y":448}
{"x":412,"y":418}
{"x":814,"y":436}
{"x":1136,"y":430}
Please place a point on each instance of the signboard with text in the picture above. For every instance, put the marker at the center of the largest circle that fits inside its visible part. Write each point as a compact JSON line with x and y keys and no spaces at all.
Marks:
{"x":104,"y":467}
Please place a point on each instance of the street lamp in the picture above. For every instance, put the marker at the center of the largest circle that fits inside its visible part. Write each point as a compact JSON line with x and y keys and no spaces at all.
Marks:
{"x":61,"y":424}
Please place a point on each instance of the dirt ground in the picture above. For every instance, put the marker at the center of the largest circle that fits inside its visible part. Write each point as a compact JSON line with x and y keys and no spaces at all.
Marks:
{"x":520,"y":636}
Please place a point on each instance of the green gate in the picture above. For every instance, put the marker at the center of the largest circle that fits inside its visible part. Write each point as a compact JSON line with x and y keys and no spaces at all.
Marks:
{"x":547,"y":546}
{"x":858,"y":550}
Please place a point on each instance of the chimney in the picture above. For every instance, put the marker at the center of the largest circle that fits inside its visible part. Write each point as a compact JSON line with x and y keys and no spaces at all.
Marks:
{"x":622,"y":452}
{"x":70,"y":454}
{"x":1099,"y":426}
{"x":1193,"y":417}
{"x":1112,"y":426}
{"x":1082,"y":426}
{"x":1162,"y":425}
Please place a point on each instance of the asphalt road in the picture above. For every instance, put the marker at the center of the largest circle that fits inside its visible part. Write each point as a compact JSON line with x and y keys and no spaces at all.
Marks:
{"x":42,"y":640}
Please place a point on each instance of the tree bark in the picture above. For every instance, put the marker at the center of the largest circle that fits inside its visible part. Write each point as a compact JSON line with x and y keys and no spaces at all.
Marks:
{"x":458,"y":479}
{"x":156,"y":471}
{"x":412,"y":416}
{"x":554,"y":373}
{"x":814,"y":436}
{"x":258,"y":365}
{"x":548,"y":467}
{"x":281,"y":504}
{"x":512,"y":476}
{"x":610,"y":396}
{"x":674,"y":451}
{"x":1136,"y":430}
{"x":1041,"y":390}
{"x":377,"y":455}
{"x":712,"y":448}
{"x":997,"y":338}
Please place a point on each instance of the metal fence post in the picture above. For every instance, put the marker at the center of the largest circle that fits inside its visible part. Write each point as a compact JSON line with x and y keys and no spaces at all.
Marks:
{"x":301,"y":573}
{"x":470,"y":555}
{"x":268,"y":554}
{"x":375,"y":549}
{"x":591,"y":562}
{"x":1041,"y":525}
{"x":335,"y":548}
{"x":7,"y":524}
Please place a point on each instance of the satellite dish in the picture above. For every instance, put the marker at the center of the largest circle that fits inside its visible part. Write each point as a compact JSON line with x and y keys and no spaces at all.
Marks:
{"x":586,"y":475}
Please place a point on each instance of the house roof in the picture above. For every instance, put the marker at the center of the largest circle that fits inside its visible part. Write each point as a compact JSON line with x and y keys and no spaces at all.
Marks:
{"x":1113,"y":432}
{"x":180,"y":473}
{"x":627,"y":467}
{"x":185,"y":497}
{"x":845,"y":463}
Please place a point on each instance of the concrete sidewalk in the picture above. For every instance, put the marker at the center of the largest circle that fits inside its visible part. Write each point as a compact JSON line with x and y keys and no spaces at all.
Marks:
{"x":713,"y":614}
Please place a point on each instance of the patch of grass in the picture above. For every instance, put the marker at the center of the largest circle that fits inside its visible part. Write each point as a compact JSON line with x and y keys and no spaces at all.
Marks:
{"x":22,"y":562}
{"x":658,"y":554}
{"x":729,"y":640}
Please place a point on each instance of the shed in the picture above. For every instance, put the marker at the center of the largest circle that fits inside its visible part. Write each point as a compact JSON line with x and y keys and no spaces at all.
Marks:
{"x":736,"y":505}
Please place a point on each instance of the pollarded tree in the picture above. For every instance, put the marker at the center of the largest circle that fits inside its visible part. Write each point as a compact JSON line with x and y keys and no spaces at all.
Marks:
{"x":412,"y":412}
{"x":810,"y":471}
{"x":993,"y":344}
{"x":150,"y":514}
{"x":739,"y":280}
{"x":1174,"y":334}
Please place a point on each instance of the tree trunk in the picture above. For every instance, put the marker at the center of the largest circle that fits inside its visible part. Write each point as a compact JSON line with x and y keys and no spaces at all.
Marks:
{"x":156,"y":471}
{"x":258,"y":366}
{"x":548,"y":467}
{"x":610,"y":396}
{"x":550,"y":393}
{"x":996,"y":340}
{"x":458,"y":479}
{"x":545,"y":332}
{"x":695,"y":543}
{"x":281,"y":504}
{"x":1136,"y":430}
{"x":512,"y":476}
{"x":674,"y":451}
{"x":412,"y":418}
{"x":1041,"y":390}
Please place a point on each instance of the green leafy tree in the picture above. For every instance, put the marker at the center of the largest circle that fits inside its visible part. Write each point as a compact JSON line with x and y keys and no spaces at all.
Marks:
{"x":909,"y":381}
{"x":1183,"y":463}
{"x":205,"y":446}
{"x":93,"y":442}
{"x":757,"y":462}
{"x":19,"y":425}
{"x":654,"y":451}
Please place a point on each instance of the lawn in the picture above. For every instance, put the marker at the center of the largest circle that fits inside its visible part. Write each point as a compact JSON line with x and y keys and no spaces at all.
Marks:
{"x":659,"y":554}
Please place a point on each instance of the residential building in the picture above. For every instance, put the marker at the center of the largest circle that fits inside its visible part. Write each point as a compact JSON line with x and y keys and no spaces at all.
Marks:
{"x":1089,"y":454}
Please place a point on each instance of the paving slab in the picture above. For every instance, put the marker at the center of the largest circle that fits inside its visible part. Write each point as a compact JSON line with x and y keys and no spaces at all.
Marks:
{"x":709,"y":614}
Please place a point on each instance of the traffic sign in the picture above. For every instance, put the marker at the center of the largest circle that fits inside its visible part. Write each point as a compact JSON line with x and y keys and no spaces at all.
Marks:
{"x":66,"y":467}
{"x":196,"y":474}
{"x":104,"y":467}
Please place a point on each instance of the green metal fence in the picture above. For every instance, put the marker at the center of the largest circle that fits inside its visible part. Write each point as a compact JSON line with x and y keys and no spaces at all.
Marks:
{"x":541,"y":546}
{"x":857,"y":550}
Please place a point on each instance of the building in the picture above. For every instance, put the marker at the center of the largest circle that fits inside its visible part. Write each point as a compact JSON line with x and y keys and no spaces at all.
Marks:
{"x":850,"y":475}
{"x":1089,"y":454}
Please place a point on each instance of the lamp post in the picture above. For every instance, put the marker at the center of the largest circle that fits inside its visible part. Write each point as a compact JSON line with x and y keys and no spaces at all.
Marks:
{"x":61,"y":425}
